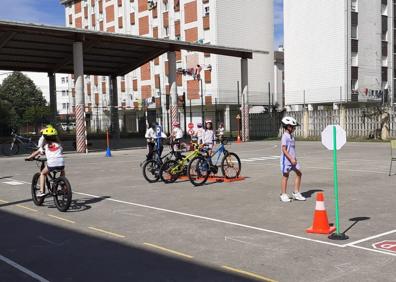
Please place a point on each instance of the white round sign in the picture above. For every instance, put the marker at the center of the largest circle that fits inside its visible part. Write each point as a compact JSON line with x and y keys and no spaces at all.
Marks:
{"x":327,"y":137}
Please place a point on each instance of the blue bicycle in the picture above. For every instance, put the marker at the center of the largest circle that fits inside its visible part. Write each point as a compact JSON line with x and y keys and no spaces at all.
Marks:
{"x":12,"y":147}
{"x":199,"y":166}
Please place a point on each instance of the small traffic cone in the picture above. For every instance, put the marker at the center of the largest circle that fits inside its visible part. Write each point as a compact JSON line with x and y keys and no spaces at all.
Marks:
{"x":320,"y":222}
{"x":108,"y":152}
{"x":238,"y":139}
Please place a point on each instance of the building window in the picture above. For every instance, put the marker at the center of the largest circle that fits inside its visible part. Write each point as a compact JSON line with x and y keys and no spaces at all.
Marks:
{"x":64,"y":93}
{"x":64,"y":106}
{"x":354,"y":32}
{"x":354,"y":84}
{"x":206,"y":10}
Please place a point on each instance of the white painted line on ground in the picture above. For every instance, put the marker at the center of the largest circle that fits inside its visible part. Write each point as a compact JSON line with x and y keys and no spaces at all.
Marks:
{"x":168,"y":250}
{"x":247,"y":160}
{"x":247,"y":273}
{"x":372,"y":250}
{"x":61,"y":218}
{"x":23,"y":269}
{"x":214,"y":220}
{"x":106,"y":232}
{"x":13,"y":182}
{"x":370,"y":238}
{"x":26,"y":208}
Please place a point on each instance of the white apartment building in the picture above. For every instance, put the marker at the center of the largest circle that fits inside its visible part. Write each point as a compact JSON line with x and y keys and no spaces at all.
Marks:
{"x":338,"y":51}
{"x":236,"y":23}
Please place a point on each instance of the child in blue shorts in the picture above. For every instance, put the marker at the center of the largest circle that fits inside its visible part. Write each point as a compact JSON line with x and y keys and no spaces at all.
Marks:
{"x":288,"y":160}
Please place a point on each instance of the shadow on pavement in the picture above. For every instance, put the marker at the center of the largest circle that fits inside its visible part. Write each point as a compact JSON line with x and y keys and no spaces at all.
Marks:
{"x":5,"y":177}
{"x":309,"y":193}
{"x":355,"y":221}
{"x":64,"y":254}
{"x":85,"y":203}
{"x":15,"y":203}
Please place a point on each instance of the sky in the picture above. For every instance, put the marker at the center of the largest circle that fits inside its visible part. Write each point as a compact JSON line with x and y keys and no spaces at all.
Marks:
{"x":52,"y":13}
{"x":33,"y":11}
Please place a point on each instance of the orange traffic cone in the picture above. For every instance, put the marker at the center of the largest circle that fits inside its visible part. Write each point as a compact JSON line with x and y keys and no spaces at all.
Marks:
{"x":238,"y":139}
{"x":320,"y":222}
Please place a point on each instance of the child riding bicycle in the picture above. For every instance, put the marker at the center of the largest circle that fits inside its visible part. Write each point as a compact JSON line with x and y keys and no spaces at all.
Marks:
{"x":54,"y":154}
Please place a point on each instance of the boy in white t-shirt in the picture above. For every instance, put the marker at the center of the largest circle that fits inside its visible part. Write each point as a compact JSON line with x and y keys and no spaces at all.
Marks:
{"x":54,"y":154}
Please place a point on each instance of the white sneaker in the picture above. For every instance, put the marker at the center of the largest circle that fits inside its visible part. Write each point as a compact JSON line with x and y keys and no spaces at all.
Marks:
{"x":285,"y":198}
{"x":297,"y":196}
{"x":40,"y":194}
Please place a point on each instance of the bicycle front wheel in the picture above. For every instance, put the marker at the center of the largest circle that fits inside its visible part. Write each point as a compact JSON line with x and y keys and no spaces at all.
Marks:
{"x":62,"y":194}
{"x":170,"y":171}
{"x":38,"y":201}
{"x":231,"y":165}
{"x":9,"y":149}
{"x":151,"y":171}
{"x":198,"y":171}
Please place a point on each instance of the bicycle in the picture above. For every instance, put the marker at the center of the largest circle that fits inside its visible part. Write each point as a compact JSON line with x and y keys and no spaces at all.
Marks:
{"x":151,"y":168}
{"x":13,"y":148}
{"x":230,"y":165}
{"x":172,"y":169}
{"x":57,"y":186}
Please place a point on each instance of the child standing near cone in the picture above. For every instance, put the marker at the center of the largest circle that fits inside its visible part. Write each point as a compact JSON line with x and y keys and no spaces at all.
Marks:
{"x":288,"y":160}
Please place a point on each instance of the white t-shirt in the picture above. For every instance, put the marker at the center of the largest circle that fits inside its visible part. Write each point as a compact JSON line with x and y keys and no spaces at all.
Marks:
{"x":54,"y":154}
{"x":209,"y":136}
{"x":177,"y":133}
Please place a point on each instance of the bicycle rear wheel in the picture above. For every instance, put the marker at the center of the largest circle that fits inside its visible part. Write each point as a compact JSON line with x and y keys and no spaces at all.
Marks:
{"x":170,"y":171}
{"x":231,"y":165}
{"x":9,"y":149}
{"x":198,"y":171}
{"x":151,"y":171}
{"x":62,"y":193}
{"x":35,"y":188}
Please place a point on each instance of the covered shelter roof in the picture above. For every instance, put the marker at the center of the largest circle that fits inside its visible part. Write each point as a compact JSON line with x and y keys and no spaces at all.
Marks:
{"x":42,"y":48}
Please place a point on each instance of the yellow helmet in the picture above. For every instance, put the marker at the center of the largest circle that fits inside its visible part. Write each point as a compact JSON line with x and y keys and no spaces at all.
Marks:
{"x":47,"y":126}
{"x":50,"y":131}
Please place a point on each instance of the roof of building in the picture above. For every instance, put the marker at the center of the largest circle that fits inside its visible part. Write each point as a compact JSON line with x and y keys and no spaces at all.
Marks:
{"x":42,"y":48}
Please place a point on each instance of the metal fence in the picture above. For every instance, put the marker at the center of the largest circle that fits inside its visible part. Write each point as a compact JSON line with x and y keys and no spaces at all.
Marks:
{"x":360,"y":122}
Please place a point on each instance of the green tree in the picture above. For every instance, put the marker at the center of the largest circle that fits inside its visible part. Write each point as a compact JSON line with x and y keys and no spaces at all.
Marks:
{"x":36,"y":115}
{"x":20,"y":92}
{"x":7,"y":117}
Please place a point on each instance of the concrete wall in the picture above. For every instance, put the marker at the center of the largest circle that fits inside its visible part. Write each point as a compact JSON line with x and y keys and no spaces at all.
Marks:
{"x":315,"y":50}
{"x":245,"y":24}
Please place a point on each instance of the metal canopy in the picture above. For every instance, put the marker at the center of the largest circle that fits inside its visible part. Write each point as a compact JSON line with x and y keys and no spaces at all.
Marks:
{"x":40,"y":48}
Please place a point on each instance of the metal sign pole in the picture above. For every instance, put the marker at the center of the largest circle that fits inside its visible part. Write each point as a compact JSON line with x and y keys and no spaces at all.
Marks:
{"x":337,"y":235}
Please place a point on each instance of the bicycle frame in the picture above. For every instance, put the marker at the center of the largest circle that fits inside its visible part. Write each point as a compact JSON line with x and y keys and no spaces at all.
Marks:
{"x":219,"y":151}
{"x":184,"y":161}
{"x":50,"y":178}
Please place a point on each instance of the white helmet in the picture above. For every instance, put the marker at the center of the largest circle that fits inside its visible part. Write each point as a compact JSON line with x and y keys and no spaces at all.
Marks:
{"x":289,"y":121}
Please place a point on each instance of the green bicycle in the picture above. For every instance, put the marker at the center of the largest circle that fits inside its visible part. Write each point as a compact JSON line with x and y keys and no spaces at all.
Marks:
{"x":172,"y":169}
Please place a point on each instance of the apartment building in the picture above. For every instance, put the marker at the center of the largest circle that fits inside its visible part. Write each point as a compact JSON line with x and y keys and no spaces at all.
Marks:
{"x":339,"y":51}
{"x":205,"y":79}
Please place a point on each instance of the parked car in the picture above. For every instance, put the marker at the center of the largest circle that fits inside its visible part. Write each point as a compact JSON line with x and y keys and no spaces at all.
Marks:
{"x":68,"y":126}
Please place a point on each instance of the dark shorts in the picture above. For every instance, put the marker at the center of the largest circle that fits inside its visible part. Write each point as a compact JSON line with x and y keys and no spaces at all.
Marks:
{"x":59,"y":168}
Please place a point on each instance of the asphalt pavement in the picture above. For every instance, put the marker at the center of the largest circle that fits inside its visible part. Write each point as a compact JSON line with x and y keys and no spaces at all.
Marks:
{"x":121,"y":228}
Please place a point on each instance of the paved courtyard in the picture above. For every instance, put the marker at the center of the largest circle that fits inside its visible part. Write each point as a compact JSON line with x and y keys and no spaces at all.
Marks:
{"x":121,"y":228}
